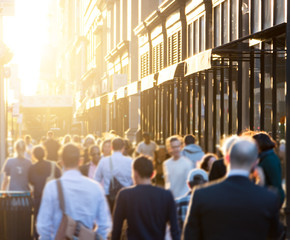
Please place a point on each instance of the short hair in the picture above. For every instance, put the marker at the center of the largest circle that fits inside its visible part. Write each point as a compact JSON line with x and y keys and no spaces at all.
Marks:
{"x":189,"y":139}
{"x":20,"y":146}
{"x":118,"y":144}
{"x":145,"y":134}
{"x":38,"y":152}
{"x":70,"y":155}
{"x":205,"y":159}
{"x":89,"y":140}
{"x":50,"y":133}
{"x":27,"y":138}
{"x":197,"y":176}
{"x":144,"y":166}
{"x":172,"y":139}
{"x":104,"y":142}
{"x":244,"y":152}
{"x":92,"y":147}
{"x":264,"y":141}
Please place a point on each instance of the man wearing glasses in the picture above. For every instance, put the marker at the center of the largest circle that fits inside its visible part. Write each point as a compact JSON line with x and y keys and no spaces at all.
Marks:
{"x":89,"y":168}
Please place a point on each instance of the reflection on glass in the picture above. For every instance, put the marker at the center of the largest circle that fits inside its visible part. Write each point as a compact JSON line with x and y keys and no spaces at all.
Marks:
{"x":196,"y":38}
{"x":225,"y":16}
{"x":235,"y":98}
{"x":257,"y":101}
{"x":234,"y":19}
{"x":189,"y":40}
{"x":267,"y":14}
{"x":217,"y":25}
{"x":218,"y":106}
{"x":279,"y":15}
{"x":256,"y":17}
{"x":226,"y":100}
{"x":202,"y":33}
{"x":268,"y":90}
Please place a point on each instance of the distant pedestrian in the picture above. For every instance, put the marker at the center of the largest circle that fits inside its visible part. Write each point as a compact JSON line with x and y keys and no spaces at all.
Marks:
{"x":117,"y":166}
{"x":89,"y":168}
{"x":52,"y":146}
{"x":235,"y":208}
{"x":147,"y":147}
{"x":89,"y":141}
{"x":176,"y":168}
{"x":146,"y":208}
{"x":16,"y":170}
{"x":106,"y":148}
{"x":270,"y":163}
{"x":28,"y":148}
{"x":207,"y":161}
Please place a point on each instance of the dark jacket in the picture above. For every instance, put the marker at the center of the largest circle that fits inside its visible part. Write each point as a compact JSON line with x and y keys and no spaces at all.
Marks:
{"x":270,"y":163}
{"x":236,"y":209}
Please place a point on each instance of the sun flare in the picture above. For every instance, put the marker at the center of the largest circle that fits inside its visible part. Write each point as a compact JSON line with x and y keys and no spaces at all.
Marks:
{"x":25,"y":34}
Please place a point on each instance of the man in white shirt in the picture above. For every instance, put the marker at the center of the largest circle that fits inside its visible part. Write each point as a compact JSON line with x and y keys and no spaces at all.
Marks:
{"x":120,"y":169}
{"x":84,"y":199}
{"x":147,"y":147}
{"x":176,"y":168}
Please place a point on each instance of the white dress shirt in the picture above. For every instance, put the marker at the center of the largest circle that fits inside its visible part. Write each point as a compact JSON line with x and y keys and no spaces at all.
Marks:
{"x":84,"y":199}
{"x":121,"y":170}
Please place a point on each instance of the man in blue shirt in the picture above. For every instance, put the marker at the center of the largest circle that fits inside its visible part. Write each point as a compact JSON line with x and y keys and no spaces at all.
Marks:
{"x":146,"y":208}
{"x":84,"y":199}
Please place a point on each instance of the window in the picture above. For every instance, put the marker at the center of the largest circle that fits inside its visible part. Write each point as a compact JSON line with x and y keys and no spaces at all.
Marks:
{"x":279,"y":6}
{"x":225,"y":15}
{"x":174,"y":48}
{"x":256,"y":16}
{"x":217,"y":24}
{"x":157,"y":57}
{"x":189,"y":40}
{"x":145,"y":65}
{"x":234,"y":19}
{"x":202,"y":34}
{"x":267,"y":16}
{"x":196,"y":37}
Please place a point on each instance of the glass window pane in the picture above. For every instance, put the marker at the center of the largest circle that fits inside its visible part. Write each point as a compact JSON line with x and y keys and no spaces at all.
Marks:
{"x":189,"y":40}
{"x":225,"y":16}
{"x":234,"y":19}
{"x":202,"y":33}
{"x":235,"y":98}
{"x":217,"y":25}
{"x":279,"y":7}
{"x":196,"y":37}
{"x":218,"y":105}
{"x":226,"y":99}
{"x":267,"y":14}
{"x":268,"y":90}
{"x":257,"y":92}
{"x":256,"y":16}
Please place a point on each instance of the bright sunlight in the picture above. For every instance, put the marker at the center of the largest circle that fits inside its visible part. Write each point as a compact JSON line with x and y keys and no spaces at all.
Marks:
{"x":25,"y":34}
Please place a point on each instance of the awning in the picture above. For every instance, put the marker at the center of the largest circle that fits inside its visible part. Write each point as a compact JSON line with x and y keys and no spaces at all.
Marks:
{"x":148,"y":82}
{"x":132,"y":88}
{"x":121,"y":93}
{"x":169,"y":73}
{"x":198,"y":62}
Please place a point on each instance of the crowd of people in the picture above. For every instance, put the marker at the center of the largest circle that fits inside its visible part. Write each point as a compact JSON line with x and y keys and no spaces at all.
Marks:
{"x":176,"y":191}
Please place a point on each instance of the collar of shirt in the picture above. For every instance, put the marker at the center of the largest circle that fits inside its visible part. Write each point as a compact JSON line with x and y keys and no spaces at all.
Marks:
{"x":238,"y":172}
{"x":117,"y":154}
{"x":72,"y":173}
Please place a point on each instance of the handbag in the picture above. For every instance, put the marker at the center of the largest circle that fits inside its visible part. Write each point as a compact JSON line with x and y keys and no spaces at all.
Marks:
{"x":69,"y":228}
{"x":115,"y":185}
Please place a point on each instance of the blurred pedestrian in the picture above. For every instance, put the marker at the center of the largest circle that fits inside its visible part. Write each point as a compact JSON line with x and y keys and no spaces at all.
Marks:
{"x":89,"y":168}
{"x":207,"y":161}
{"x":28,"y":148}
{"x":106,"y":148}
{"x":147,"y":147}
{"x":52,"y":146}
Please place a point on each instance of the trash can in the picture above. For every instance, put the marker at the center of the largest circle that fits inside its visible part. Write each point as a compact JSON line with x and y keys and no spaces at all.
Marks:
{"x":16,"y":219}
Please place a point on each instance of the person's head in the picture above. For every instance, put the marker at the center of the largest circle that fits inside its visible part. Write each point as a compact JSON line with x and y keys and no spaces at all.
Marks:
{"x":27,"y":139}
{"x":70,"y":155}
{"x":106,"y":147}
{"x":228,"y":142}
{"x":127,"y":148}
{"x":118,"y":144}
{"x":173,"y":144}
{"x":76,"y":139}
{"x":196,"y":177}
{"x":207,"y":161}
{"x":38,"y":153}
{"x":89,"y":140}
{"x":50,"y":134}
{"x":95,"y":154}
{"x":189,"y":139}
{"x":142,"y":169}
{"x":264,"y":141}
{"x":20,"y":148}
{"x":66,"y":139}
{"x":243,"y":154}
{"x":146,"y":137}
